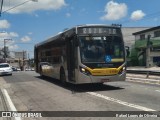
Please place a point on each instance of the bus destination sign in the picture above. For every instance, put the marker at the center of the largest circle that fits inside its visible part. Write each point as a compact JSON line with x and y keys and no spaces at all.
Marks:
{"x":98,"y":30}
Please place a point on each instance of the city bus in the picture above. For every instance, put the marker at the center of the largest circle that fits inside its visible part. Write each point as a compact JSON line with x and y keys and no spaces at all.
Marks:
{"x":83,"y":54}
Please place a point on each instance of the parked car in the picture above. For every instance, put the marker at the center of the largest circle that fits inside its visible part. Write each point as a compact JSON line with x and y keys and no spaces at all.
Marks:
{"x":5,"y":69}
{"x":14,"y":68}
{"x":27,"y":69}
{"x":18,"y":69}
{"x":32,"y":69}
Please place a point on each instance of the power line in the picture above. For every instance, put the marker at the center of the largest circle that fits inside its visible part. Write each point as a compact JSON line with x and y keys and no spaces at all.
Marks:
{"x":22,"y":42}
{"x":1,"y":7}
{"x":15,"y":5}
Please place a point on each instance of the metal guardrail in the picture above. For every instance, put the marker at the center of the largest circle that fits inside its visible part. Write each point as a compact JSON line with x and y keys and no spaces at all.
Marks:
{"x":144,"y":76}
{"x":147,"y":72}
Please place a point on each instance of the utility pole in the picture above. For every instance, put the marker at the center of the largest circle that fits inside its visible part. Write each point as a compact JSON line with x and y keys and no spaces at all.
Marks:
{"x":148,"y":59}
{"x":23,"y":61}
{"x":5,"y":55}
{"x":1,"y":7}
{"x":28,"y":61}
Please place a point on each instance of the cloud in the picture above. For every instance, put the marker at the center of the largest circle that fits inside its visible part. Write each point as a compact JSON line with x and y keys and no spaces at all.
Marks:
{"x":30,"y":33}
{"x":137,"y":15}
{"x":155,"y":19}
{"x":13,"y":47}
{"x":8,"y":35}
{"x":21,"y":6}
{"x":10,"y":43}
{"x":83,"y":10}
{"x":13,"y":34}
{"x":26,"y":39}
{"x":36,"y":15}
{"x":4,"y":24}
{"x":68,"y":14}
{"x":114,"y":11}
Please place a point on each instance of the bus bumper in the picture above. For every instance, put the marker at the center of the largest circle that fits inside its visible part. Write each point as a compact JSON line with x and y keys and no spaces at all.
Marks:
{"x":100,"y":79}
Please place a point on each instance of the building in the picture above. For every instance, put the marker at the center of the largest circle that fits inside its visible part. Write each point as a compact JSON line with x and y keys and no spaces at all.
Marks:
{"x":1,"y":56}
{"x":147,"y":44}
{"x":20,"y":55}
{"x":128,"y":36}
{"x":20,"y":59}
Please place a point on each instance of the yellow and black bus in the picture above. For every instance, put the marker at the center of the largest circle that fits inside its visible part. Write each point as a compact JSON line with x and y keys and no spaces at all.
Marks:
{"x":83,"y":54}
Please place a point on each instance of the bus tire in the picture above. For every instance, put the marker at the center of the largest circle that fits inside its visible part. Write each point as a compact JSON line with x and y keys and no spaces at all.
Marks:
{"x":100,"y":84}
{"x":63,"y":77}
{"x":41,"y":73}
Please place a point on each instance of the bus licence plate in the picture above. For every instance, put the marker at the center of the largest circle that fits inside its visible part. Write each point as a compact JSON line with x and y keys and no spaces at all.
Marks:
{"x":105,"y":80}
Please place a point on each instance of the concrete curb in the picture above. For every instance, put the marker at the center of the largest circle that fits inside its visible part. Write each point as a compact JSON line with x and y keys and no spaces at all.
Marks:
{"x":144,"y":75}
{"x":143,"y":80}
{"x":3,"y":104}
{"x":143,"y":70}
{"x":3,"y":100}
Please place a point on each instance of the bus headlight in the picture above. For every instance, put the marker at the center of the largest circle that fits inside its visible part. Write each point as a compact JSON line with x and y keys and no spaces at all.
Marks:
{"x":122,"y":70}
{"x":84,"y":71}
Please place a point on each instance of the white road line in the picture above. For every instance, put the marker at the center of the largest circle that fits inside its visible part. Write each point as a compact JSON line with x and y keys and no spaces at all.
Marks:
{"x":120,"y":102}
{"x":157,"y":90}
{"x":11,"y":105}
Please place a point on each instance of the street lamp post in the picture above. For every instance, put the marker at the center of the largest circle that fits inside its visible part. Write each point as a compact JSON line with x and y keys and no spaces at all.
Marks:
{"x":5,"y":40}
{"x":148,"y":58}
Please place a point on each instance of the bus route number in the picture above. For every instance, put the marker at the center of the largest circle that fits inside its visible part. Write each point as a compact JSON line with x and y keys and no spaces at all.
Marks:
{"x":99,"y":30}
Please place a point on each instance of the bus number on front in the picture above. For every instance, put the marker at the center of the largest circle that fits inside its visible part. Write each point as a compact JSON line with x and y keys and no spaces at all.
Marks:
{"x":99,"y":30}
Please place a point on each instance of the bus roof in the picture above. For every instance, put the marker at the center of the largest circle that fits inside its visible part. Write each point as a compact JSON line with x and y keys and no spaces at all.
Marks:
{"x":74,"y":30}
{"x":90,"y":25}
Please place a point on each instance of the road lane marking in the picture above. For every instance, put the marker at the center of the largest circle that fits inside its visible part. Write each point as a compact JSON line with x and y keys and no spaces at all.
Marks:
{"x":121,"y":102}
{"x":158,"y":90}
{"x":10,"y":103}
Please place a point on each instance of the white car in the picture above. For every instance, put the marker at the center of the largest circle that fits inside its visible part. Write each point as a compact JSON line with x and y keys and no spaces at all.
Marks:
{"x":5,"y":69}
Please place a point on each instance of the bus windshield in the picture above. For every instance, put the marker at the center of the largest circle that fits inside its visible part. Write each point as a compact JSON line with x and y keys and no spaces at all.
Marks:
{"x":104,"y":49}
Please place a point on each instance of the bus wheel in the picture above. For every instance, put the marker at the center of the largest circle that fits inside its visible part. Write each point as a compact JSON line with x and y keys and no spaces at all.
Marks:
{"x":63,"y":77}
{"x":99,"y":84}
{"x":41,"y":73}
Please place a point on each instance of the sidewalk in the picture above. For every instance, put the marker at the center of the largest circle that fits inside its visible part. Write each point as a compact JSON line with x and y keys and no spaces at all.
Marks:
{"x":3,"y":104}
{"x":151,"y":79}
{"x":150,"y":75}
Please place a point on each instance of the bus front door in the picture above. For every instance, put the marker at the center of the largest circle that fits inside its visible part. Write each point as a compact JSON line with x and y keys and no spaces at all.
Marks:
{"x":70,"y":60}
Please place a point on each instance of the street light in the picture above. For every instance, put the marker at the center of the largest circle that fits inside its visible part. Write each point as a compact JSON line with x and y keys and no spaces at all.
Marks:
{"x":5,"y":40}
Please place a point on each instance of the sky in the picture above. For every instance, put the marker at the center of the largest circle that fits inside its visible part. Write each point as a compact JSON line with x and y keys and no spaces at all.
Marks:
{"x":28,"y":22}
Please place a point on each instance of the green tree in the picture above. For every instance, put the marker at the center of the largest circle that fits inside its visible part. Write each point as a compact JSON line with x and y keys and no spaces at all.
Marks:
{"x":134,"y":57}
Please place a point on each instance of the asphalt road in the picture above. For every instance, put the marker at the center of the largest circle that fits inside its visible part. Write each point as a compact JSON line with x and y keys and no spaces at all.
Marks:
{"x":29,"y":92}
